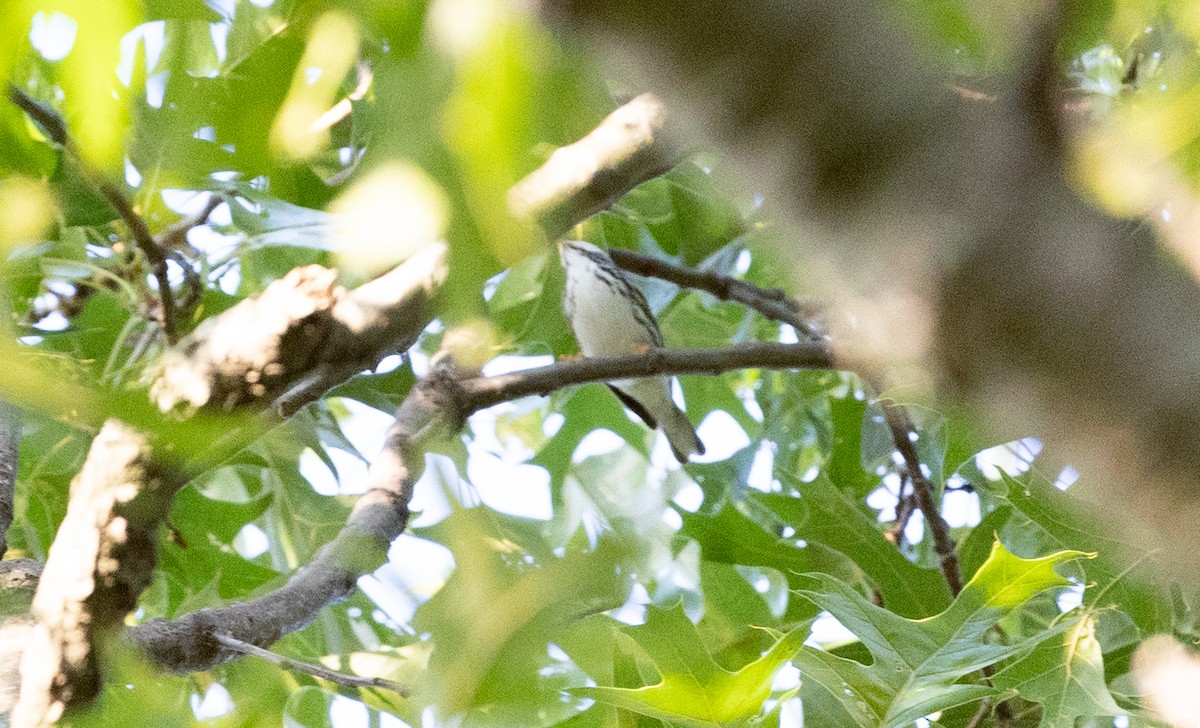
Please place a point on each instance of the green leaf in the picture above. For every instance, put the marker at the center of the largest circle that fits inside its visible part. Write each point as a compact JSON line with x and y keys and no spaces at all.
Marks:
{"x":917,"y":664}
{"x":694,"y":690}
{"x":1066,"y":674}
{"x":311,"y":707}
{"x":1120,"y":574}
{"x":509,"y":596}
{"x":826,"y":515}
{"x":587,"y":408}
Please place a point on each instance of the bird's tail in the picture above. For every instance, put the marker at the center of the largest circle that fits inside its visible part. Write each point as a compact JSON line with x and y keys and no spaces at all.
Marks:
{"x":681,"y":435}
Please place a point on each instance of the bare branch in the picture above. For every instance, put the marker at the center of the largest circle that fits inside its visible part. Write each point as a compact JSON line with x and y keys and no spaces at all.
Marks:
{"x":906,"y":503}
{"x":582,"y":178}
{"x":770,"y":302}
{"x":901,"y":426}
{"x":174,"y":236}
{"x":187,"y":644}
{"x":287,"y":663}
{"x":53,"y":124}
{"x":480,"y":392}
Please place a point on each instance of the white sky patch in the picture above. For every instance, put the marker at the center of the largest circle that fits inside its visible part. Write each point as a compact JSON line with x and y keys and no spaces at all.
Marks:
{"x":54,"y":321}
{"x":211,"y":242}
{"x":762,"y":469}
{"x":214,"y":704}
{"x":597,"y":442}
{"x":633,"y":612}
{"x":387,"y":720}
{"x":1066,"y":478}
{"x":827,"y":630}
{"x":346,"y":712}
{"x":365,"y":427}
{"x":230,"y":281}
{"x":417,"y":566}
{"x":1012,"y":458}
{"x":156,"y":89}
{"x":317,"y":473}
{"x":883,"y":499}
{"x":396,"y":606}
{"x":430,"y":502}
{"x":689,"y":497}
{"x":53,"y":35}
{"x":742,"y":264}
{"x":1071,"y":597}
{"x":751,"y":404}
{"x":186,"y":202}
{"x":351,"y":472}
{"x":133,"y":177}
{"x":914,"y":530}
{"x":251,"y":542}
{"x":787,"y":334}
{"x":552,"y":423}
{"x":960,"y":508}
{"x":672,"y":519}
{"x":220,"y":34}
{"x":515,"y":489}
{"x":722,"y":437}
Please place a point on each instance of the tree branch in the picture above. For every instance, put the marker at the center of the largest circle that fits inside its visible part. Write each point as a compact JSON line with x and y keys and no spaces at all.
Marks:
{"x":901,"y":425}
{"x":582,"y":178}
{"x":187,"y":644}
{"x":324,"y":673}
{"x":480,"y":392}
{"x":770,"y":302}
{"x":56,"y":129}
{"x":222,"y":364}
{"x":102,"y":558}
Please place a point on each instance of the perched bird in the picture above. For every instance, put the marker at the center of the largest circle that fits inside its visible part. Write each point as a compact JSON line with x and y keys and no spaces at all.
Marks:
{"x":610,"y":317}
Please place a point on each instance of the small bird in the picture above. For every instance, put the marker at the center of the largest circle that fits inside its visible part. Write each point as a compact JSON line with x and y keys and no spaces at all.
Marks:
{"x":610,"y":317}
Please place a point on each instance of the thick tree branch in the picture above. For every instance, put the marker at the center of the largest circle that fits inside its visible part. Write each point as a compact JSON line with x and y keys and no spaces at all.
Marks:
{"x":102,"y":558}
{"x":56,"y":129}
{"x":10,"y":446}
{"x":187,"y":644}
{"x":299,"y":337}
{"x":587,"y":176}
{"x":319,"y":671}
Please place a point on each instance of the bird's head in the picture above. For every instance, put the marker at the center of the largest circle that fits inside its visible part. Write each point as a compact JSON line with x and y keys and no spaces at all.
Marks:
{"x":569,"y":250}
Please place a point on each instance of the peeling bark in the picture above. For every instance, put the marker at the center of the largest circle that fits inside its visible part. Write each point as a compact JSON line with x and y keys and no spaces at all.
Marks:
{"x":102,"y":558}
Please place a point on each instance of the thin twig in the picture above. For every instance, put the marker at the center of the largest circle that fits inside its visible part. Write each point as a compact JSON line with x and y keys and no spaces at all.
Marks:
{"x":985,"y":706}
{"x":54,"y":126}
{"x":173,"y":241}
{"x":906,"y":503}
{"x":174,"y":236}
{"x":770,"y":302}
{"x":901,"y":426}
{"x":287,"y":663}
